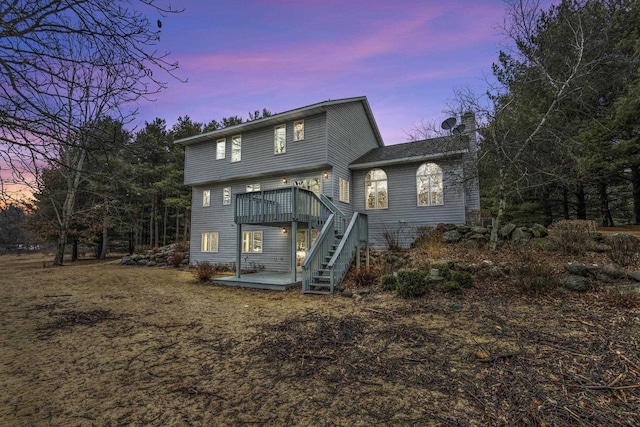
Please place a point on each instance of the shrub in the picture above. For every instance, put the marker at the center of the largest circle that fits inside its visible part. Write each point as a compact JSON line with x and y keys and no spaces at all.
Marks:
{"x":443,"y":268}
{"x":204,"y":271}
{"x":429,"y":239}
{"x":451,"y":287}
{"x":573,"y":237}
{"x":625,"y":249}
{"x":182,"y":246}
{"x":365,"y":277}
{"x":462,"y":278}
{"x":389,"y":282}
{"x":175,"y":259}
{"x":412,"y":283}
{"x":534,"y":277}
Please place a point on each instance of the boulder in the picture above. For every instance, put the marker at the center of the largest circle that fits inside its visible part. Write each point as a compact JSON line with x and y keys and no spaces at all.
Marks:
{"x":593,"y":269}
{"x":613,"y":270}
{"x":506,"y":230}
{"x":449,"y":227}
{"x":125,"y":259}
{"x":451,"y":236}
{"x":575,"y":283}
{"x":520,"y":235}
{"x":634,"y":275}
{"x":576,"y":268}
{"x":479,"y":230}
{"x":539,"y":230}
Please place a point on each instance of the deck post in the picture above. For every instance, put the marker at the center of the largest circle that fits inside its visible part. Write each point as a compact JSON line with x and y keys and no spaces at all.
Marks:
{"x":294,"y":253}
{"x":239,"y":250}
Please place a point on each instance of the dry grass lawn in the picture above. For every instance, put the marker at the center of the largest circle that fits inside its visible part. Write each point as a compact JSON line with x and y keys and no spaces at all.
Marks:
{"x":103,"y":344}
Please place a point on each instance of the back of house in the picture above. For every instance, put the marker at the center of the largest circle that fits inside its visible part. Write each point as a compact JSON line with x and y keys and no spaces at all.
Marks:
{"x":332,"y":153}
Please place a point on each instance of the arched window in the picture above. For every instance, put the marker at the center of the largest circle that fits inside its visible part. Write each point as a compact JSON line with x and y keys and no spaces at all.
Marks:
{"x":375,"y":189}
{"x":429,"y":185}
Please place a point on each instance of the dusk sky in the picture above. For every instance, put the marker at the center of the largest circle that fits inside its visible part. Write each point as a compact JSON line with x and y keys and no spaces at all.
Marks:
{"x":406,"y":56}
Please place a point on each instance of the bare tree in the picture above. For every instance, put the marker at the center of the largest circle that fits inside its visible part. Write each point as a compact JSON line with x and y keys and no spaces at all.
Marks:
{"x":65,"y":65}
{"x":41,"y":41}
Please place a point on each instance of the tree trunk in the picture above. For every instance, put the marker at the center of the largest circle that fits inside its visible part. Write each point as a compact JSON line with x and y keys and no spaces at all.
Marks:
{"x":156,"y":226}
{"x":105,"y":229}
{"x":187,"y":223}
{"x":73,"y":183}
{"x":74,"y":249}
{"x":635,"y":180}
{"x":565,"y":202}
{"x":152,"y":214}
{"x":164,"y":227}
{"x":581,"y":205}
{"x":502,"y":196}
{"x":547,"y":209}
{"x":177,"y":224}
{"x":606,"y":220}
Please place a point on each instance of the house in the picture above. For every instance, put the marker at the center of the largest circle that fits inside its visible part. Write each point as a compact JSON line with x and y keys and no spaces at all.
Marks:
{"x":306,"y":191}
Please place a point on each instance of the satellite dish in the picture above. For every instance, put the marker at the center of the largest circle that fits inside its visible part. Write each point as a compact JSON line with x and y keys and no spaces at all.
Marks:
{"x":458,"y":129}
{"x":449,"y":123}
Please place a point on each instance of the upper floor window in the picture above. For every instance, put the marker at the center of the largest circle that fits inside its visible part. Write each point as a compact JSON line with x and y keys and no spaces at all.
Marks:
{"x":298,"y":130}
{"x":280,"y":139}
{"x":429,"y":185}
{"x":252,"y":242}
{"x":236,"y":148}
{"x":221,"y":146}
{"x":206,"y":198}
{"x":375,"y":189}
{"x":344,"y":190}
{"x":226,"y":196}
{"x":253,"y":187}
{"x":209,"y":242}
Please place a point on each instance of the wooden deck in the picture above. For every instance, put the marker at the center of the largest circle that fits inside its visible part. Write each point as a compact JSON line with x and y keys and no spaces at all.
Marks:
{"x":271,"y":280}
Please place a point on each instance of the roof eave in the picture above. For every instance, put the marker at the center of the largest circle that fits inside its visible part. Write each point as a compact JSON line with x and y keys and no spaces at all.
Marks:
{"x":410,"y":159}
{"x":297,"y":113}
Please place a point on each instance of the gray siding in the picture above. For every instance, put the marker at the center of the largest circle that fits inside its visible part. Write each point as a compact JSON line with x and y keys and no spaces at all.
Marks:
{"x":276,"y":250}
{"x":257,"y":157}
{"x":349,"y":136}
{"x":403,"y":214}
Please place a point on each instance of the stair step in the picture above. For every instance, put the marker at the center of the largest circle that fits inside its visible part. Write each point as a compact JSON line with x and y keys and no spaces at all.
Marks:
{"x":319,"y":285}
{"x":321,"y":279}
{"x":318,"y":292}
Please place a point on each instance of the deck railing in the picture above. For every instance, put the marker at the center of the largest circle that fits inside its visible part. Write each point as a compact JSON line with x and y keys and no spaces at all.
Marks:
{"x":280,"y":205}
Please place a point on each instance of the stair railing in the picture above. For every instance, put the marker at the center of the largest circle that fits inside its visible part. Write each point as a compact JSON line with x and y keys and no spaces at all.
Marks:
{"x":355,"y":234}
{"x":341,"y":219}
{"x":318,"y":252}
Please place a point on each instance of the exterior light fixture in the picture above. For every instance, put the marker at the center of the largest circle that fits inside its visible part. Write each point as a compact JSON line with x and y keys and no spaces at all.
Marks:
{"x":325,"y":175}
{"x":284,"y":230}
{"x":284,"y":180}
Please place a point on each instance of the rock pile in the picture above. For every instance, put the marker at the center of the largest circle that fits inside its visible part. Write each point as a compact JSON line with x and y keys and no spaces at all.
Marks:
{"x":159,"y":257}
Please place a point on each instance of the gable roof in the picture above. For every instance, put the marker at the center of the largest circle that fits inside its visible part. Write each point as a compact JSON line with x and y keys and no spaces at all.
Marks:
{"x":426,"y":149}
{"x":296,"y":114}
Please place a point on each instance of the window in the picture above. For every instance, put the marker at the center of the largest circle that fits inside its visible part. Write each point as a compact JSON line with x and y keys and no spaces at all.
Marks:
{"x":221,"y":148}
{"x":375,"y":189}
{"x":206,"y":198}
{"x":344,"y":190}
{"x":280,"y":139}
{"x":209,"y":242}
{"x":429,"y":185}
{"x":298,"y":130}
{"x":253,"y":187}
{"x":236,"y":148}
{"x":252,"y":242}
{"x":226,"y":196}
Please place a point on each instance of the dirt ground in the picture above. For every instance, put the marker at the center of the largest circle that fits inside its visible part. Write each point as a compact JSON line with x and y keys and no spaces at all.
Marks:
{"x":103,"y":344}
